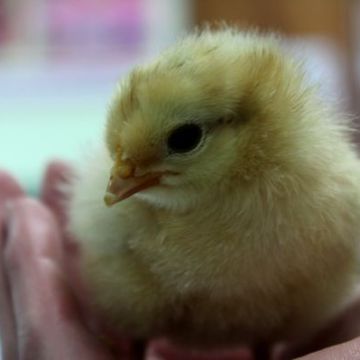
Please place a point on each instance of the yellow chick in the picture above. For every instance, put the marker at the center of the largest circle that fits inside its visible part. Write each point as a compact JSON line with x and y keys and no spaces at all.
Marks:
{"x":232,"y":198}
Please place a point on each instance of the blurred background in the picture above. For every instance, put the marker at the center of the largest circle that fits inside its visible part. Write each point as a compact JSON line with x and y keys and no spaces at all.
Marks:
{"x":60,"y":59}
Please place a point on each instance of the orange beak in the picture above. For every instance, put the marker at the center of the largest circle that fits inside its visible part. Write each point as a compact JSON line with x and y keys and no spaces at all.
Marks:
{"x":123,"y":183}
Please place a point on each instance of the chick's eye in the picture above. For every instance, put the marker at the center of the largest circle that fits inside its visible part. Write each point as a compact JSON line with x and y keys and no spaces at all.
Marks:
{"x":184,"y":138}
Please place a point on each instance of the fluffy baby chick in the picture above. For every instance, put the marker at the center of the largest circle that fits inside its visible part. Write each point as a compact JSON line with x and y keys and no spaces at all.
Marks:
{"x":232,"y":198}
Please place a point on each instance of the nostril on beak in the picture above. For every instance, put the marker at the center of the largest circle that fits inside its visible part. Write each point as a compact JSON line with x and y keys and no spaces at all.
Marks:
{"x":124,"y":169}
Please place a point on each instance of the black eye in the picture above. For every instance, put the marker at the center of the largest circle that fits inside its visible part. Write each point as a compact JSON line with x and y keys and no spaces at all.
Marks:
{"x":184,"y":138}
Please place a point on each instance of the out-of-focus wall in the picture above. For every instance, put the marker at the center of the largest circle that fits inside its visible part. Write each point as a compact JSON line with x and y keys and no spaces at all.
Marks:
{"x":307,"y":17}
{"x":59,"y":62}
{"x":327,"y":26}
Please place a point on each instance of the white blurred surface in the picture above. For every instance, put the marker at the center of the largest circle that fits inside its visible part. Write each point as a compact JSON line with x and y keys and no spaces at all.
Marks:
{"x":47,"y":114}
{"x":53,"y":100}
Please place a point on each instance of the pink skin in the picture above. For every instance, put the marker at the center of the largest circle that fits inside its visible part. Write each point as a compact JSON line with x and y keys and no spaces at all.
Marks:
{"x":40,"y":315}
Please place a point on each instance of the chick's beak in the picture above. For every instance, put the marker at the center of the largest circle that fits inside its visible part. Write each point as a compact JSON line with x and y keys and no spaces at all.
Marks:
{"x":123,"y":183}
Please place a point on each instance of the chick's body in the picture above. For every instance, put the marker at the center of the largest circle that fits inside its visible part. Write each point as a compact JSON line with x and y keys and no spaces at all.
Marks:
{"x":251,"y":231}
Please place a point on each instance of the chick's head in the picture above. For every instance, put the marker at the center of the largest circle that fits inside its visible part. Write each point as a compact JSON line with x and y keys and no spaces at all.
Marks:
{"x":182,"y":128}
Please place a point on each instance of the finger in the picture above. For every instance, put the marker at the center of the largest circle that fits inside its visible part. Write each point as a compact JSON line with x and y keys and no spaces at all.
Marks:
{"x":346,"y":351}
{"x":9,"y":189}
{"x":56,"y":190}
{"x":163,"y":350}
{"x":55,"y":195}
{"x":46,"y":316}
{"x":345,"y":327}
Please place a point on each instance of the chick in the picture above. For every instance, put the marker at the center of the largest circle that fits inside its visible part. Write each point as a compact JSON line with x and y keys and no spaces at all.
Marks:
{"x":232,"y":198}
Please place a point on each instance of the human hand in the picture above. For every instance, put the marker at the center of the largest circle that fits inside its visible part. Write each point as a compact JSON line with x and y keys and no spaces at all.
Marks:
{"x":39,"y":316}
